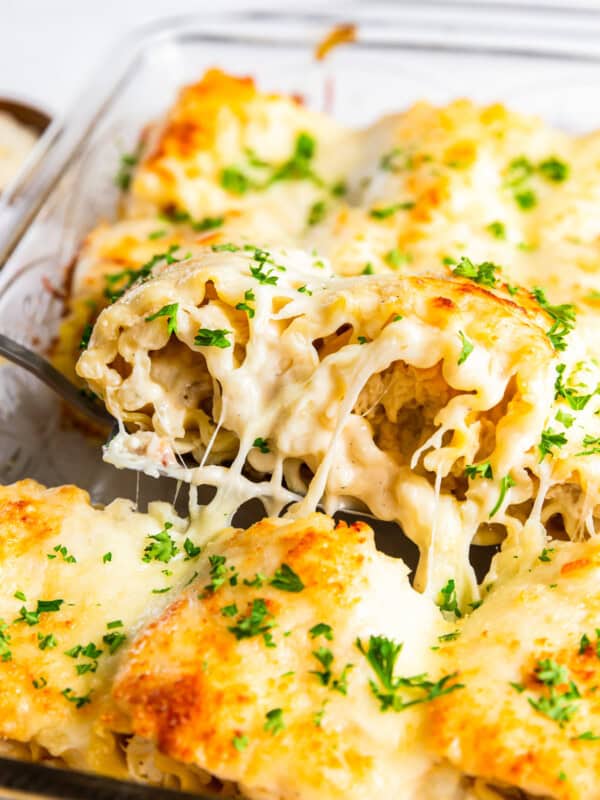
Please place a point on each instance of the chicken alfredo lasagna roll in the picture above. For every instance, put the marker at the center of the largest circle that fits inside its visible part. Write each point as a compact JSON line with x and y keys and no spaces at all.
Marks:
{"x":433,"y":402}
{"x":131,"y":647}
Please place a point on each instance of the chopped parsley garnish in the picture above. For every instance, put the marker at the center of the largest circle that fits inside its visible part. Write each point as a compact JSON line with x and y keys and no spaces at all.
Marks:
{"x":550,"y":440}
{"x":257,"y":621}
{"x":230,"y":610}
{"x":261,"y":444}
{"x":120,"y":282}
{"x":449,"y":637}
{"x":325,"y":658}
{"x":20,"y":596}
{"x":161,"y":547}
{"x":39,"y":683}
{"x":467,"y":348}
{"x":526,"y":199}
{"x":245,"y":306}
{"x":554,"y":170}
{"x":389,"y":211}
{"x":5,"y":651}
{"x":212,"y":338}
{"x":191,"y":550}
{"x":88,"y":666}
{"x":588,"y":736}
{"x":162,"y":591}
{"x":304,"y":290}
{"x":115,"y":623}
{"x":114,"y":640}
{"x":563,"y":316}
{"x":299,"y":166}
{"x":61,"y":550}
{"x":124,"y":175}
{"x":592,"y":443}
{"x":339,"y":189}
{"x":218,"y":572}
{"x":235,"y":181}
{"x":107,"y":557}
{"x":483,"y":470}
{"x":228,"y":247}
{"x":240,"y":743}
{"x":556,"y":705}
{"x":546,"y":554}
{"x":207,"y":223}
{"x":321,"y":629}
{"x":382,"y":654}
{"x":43,"y":606}
{"x":506,"y":483}
{"x":584,"y":643}
{"x":482,"y":274}
{"x":170,"y":312}
{"x":257,"y":581}
{"x":497,"y":229}
{"x":47,"y":642}
{"x":286,"y":579}
{"x":263,"y":277}
{"x":577,"y":401}
{"x":317,"y":212}
{"x":368,"y":270}
{"x":396,"y":258}
{"x":566,"y":419}
{"x":318,"y":716}
{"x":362,"y":339}
{"x":85,"y":336}
{"x":448,"y":600}
{"x":341,"y":684}
{"x":274,"y":721}
{"x":79,"y":701}
{"x":158,"y":234}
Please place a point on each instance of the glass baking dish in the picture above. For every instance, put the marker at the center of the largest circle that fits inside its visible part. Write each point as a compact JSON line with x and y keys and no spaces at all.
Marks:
{"x":543,"y":60}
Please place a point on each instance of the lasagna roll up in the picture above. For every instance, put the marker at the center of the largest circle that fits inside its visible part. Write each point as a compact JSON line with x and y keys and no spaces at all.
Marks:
{"x":428,"y":401}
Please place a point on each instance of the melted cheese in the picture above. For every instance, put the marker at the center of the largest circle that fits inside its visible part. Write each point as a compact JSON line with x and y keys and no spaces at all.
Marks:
{"x":374,"y":422}
{"x":354,"y":392}
{"x":195,"y":689}
{"x":491,"y":730}
{"x":35,"y":671}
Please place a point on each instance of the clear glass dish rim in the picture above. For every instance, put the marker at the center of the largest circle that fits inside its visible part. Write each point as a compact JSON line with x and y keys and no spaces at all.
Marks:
{"x":519,"y":30}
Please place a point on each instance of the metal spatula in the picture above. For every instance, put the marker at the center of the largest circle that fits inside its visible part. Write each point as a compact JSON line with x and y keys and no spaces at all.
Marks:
{"x":42,"y":369}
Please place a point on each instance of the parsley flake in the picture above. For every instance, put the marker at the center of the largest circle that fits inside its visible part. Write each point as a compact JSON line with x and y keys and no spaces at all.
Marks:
{"x":483,"y":470}
{"x":506,"y":483}
{"x":261,"y":444}
{"x":274,"y":723}
{"x":286,"y":579}
{"x":245,"y":306}
{"x":257,"y":621}
{"x":170,"y":312}
{"x":550,"y":439}
{"x":191,"y":550}
{"x":161,"y":547}
{"x":389,"y":211}
{"x":382,"y":654}
{"x":448,"y":600}
{"x":467,"y":348}
{"x":482,"y":274}
{"x":212,"y":338}
{"x":321,"y":629}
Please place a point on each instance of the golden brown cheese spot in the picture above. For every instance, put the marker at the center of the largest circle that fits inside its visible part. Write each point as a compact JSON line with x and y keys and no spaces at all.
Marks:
{"x":194,"y":688}
{"x":533,"y":621}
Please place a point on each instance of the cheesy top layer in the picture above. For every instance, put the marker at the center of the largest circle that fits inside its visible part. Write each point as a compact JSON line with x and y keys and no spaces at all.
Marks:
{"x":428,"y":401}
{"x":77,"y":585}
{"x":260,"y":672}
{"x":529,"y":715}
